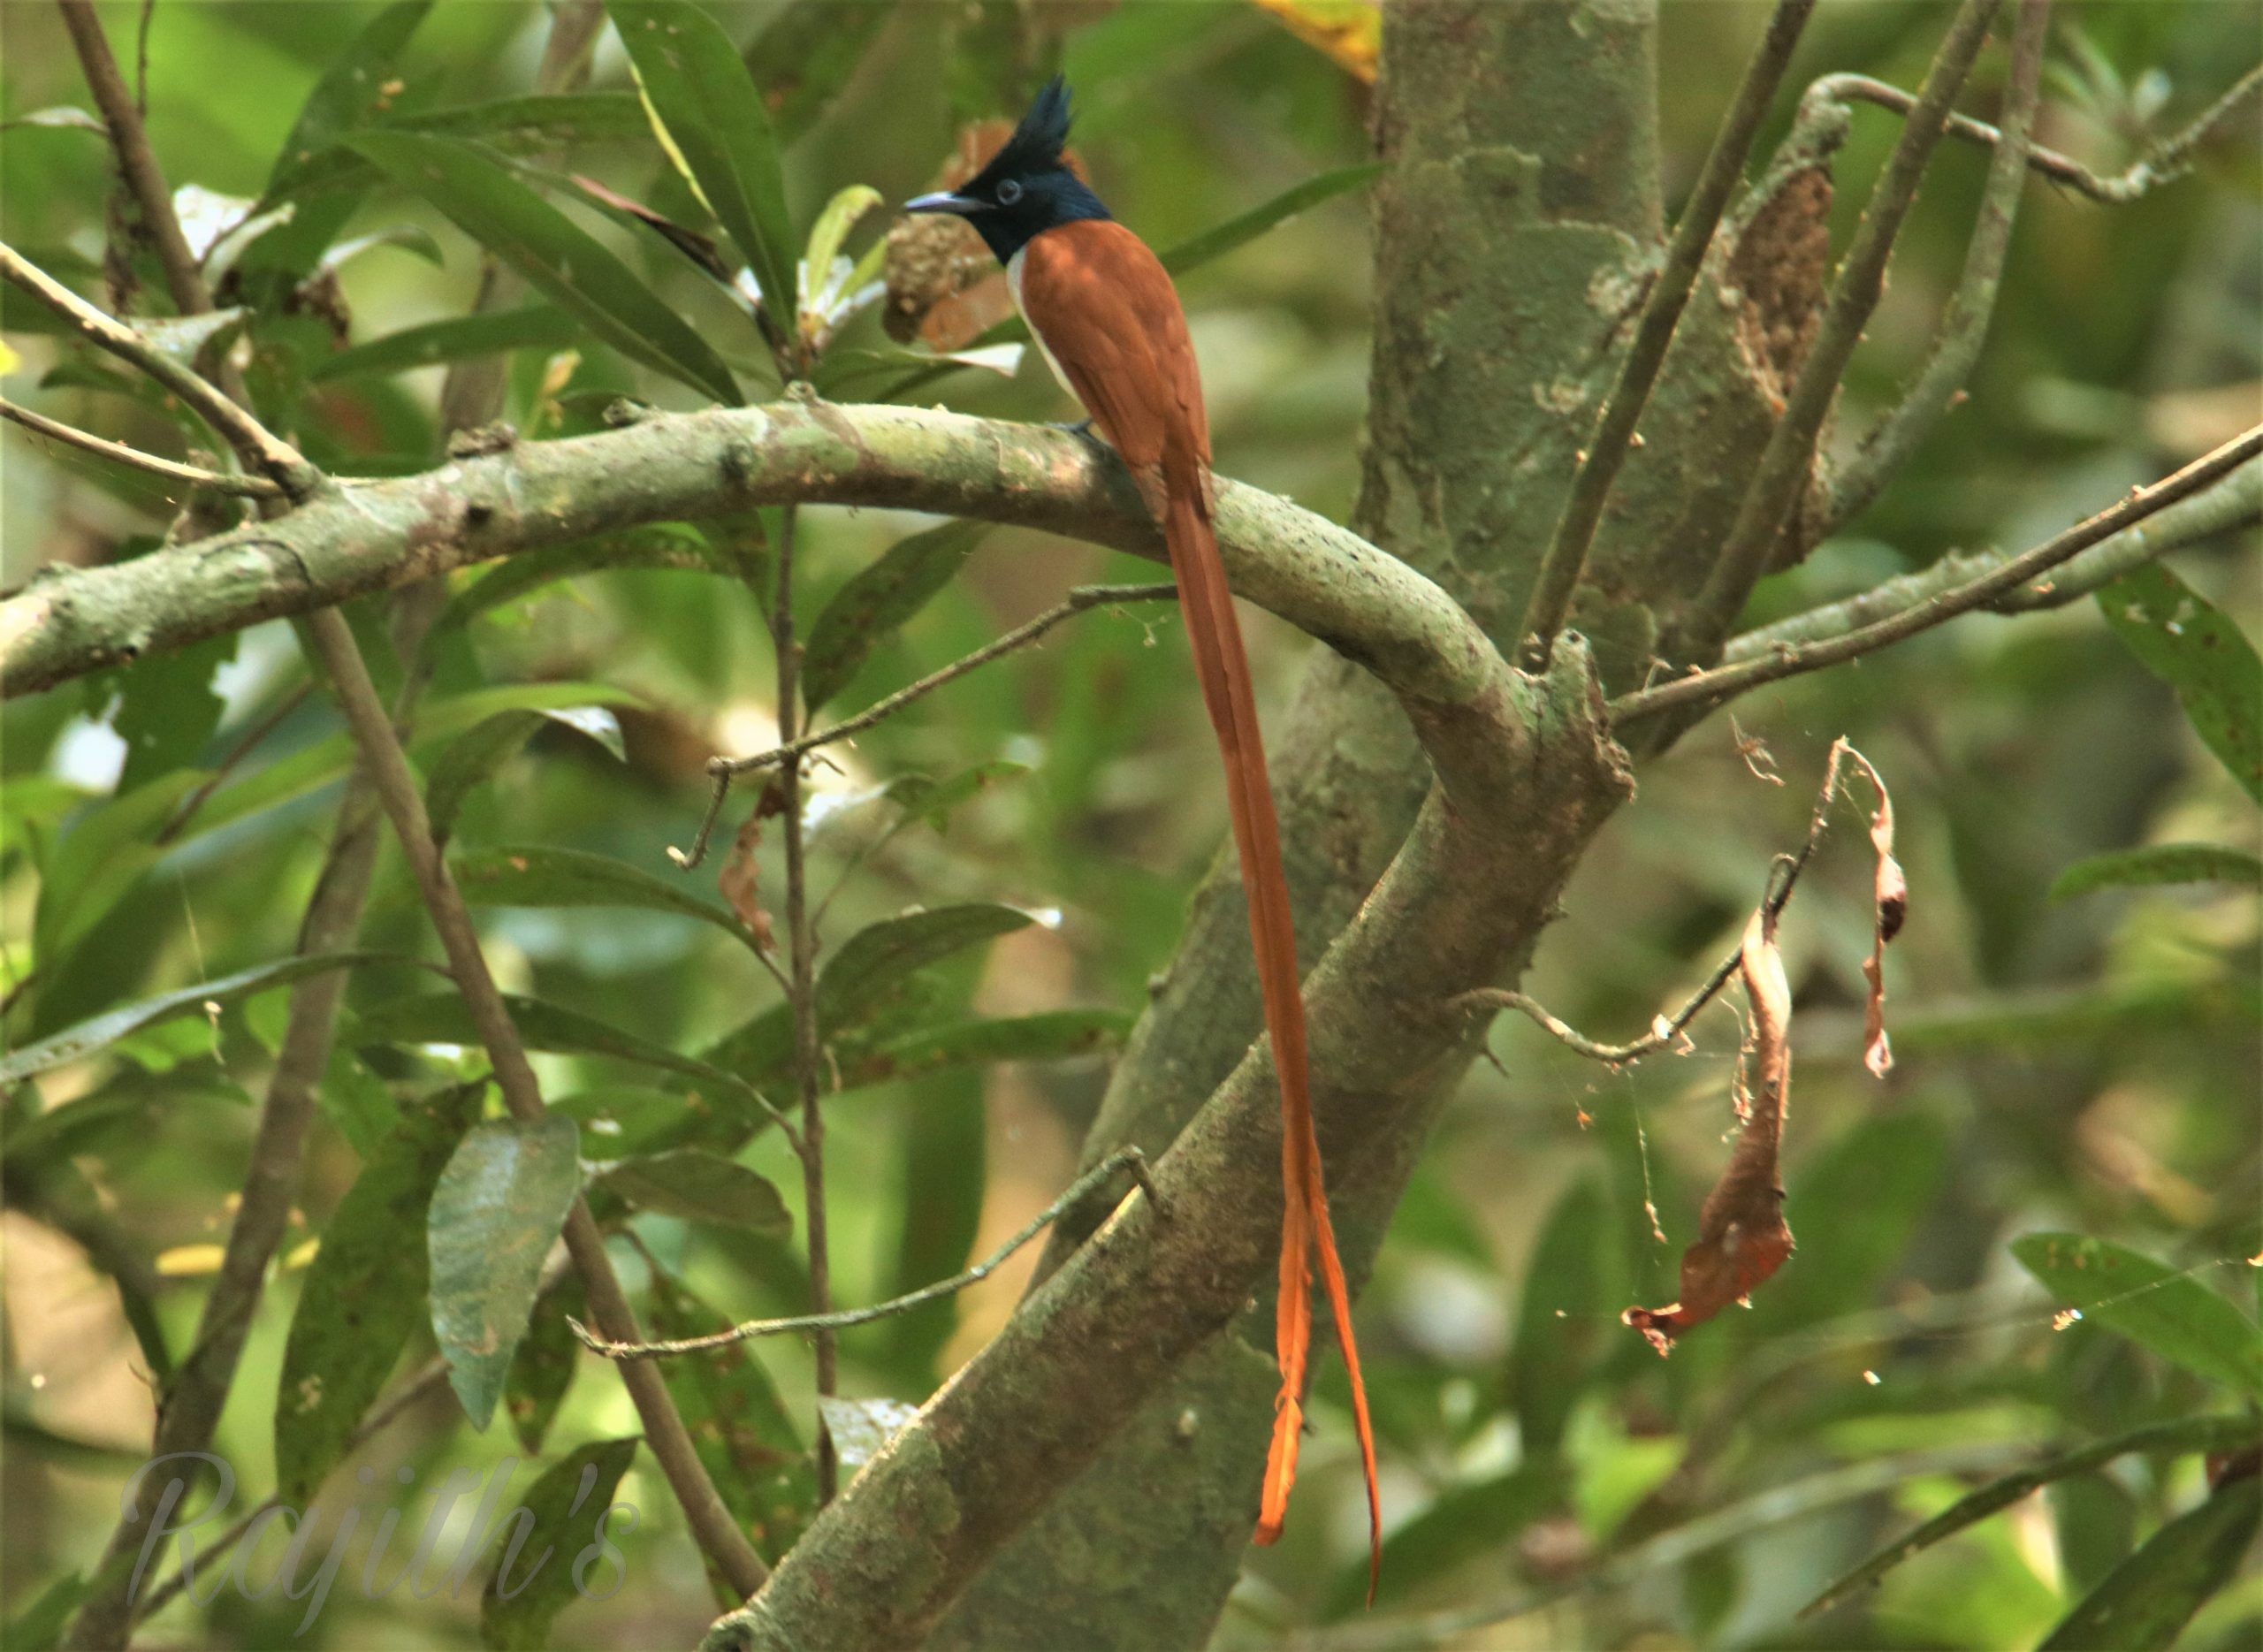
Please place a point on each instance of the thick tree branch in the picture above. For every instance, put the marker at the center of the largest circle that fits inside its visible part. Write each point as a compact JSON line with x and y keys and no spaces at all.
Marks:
{"x":1566,"y":556}
{"x":2234,"y":502}
{"x":1964,"y":326}
{"x":1785,"y":463}
{"x":1791,"y":658}
{"x":1367,"y":604}
{"x":258,"y":447}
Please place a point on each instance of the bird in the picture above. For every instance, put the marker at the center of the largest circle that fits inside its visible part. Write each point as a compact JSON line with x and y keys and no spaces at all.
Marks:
{"x":1104,"y":314}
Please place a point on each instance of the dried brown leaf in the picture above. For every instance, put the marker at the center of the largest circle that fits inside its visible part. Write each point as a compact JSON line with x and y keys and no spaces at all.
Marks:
{"x":740,"y":882}
{"x":1741,"y":1237}
{"x":1892,"y":903}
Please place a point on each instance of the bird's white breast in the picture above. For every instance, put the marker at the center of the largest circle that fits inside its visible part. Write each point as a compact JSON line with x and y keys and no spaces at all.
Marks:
{"x":1014,"y":285}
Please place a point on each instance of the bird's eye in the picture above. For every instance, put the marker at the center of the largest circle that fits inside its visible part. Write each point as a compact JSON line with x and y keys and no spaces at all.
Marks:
{"x":1008,"y":192}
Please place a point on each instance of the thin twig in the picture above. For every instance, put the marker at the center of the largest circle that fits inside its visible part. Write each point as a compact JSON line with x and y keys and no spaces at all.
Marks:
{"x":724,"y":770}
{"x":711,"y":1522}
{"x":1638,"y":370}
{"x":1123,"y":1159}
{"x":2234,"y":502}
{"x":2164,"y":163}
{"x":118,"y":453}
{"x":1785,"y":463}
{"x":801,"y":953}
{"x":1791,"y":659}
{"x":258,"y":447}
{"x":1889,"y":445}
{"x":1783,"y":875}
{"x":252,"y":738}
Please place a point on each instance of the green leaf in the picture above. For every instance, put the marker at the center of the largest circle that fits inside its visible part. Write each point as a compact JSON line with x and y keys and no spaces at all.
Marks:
{"x":357,"y":1101}
{"x":697,"y":1186}
{"x":1239,"y":232}
{"x":2156,"y":1306}
{"x":497,"y":1209}
{"x":874,"y":961}
{"x":2162,"y":863}
{"x":556,"y":257}
{"x":537,"y":120}
{"x":530,"y":326}
{"x":2185,"y":1434}
{"x":1464,"y":1523}
{"x":167,"y":710}
{"x":2185,"y":640}
{"x":543,"y":1368}
{"x":329,"y":759}
{"x":1050,"y":1035}
{"x":2146,"y":1601}
{"x":1558,"y":1341}
{"x":100,"y":858}
{"x":441,"y":1018}
{"x":567,"y":1553}
{"x":363,"y":1297}
{"x":701,"y":92}
{"x":825,"y":235}
{"x":745,"y":1435}
{"x":530,"y":876}
{"x":878,"y":601}
{"x":89,"y":1037}
{"x":480,"y":750}
{"x":662,"y":545}
{"x":350,"y":89}
{"x":941,"y":1174}
{"x":805,"y":55}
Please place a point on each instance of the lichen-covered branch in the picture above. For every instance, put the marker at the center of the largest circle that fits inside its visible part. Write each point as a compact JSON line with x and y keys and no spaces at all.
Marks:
{"x":364,"y":536}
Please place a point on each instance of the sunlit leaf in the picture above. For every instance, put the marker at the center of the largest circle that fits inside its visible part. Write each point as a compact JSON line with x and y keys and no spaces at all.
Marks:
{"x":860,"y":1427}
{"x":556,"y":257}
{"x":494,"y":1214}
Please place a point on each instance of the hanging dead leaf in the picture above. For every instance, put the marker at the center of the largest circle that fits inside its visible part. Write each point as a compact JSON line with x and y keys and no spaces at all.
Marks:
{"x":1741,"y":1237}
{"x":1892,"y":903}
{"x":739,"y":881}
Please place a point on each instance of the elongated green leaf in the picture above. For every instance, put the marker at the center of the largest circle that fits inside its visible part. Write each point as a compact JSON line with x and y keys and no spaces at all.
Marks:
{"x":2188,"y":643}
{"x":357,"y":1101}
{"x":941,"y":1175}
{"x":530,"y":326}
{"x":497,"y":1208}
{"x":933,"y":801}
{"x":556,"y":257}
{"x":531,"y":876}
{"x":744,"y":1433}
{"x":700,"y":1187}
{"x":1239,"y":232}
{"x":662,"y":545}
{"x":543,"y":1368}
{"x":350,"y":89}
{"x":329,"y":759}
{"x":364,"y":1295}
{"x":441,"y":1018}
{"x":874,"y":960}
{"x":2162,"y":863}
{"x":566,"y":1555}
{"x":702,"y":94}
{"x":880,"y":601}
{"x":2186,"y":1434}
{"x":1052,"y":1036}
{"x":540,"y":120}
{"x":89,"y":1037}
{"x":1557,"y":1343}
{"x":472,"y":758}
{"x":106,"y":849}
{"x":805,"y":55}
{"x":2146,"y":1601}
{"x":167,"y":710}
{"x":1465,"y":1522}
{"x":2170,"y":1313}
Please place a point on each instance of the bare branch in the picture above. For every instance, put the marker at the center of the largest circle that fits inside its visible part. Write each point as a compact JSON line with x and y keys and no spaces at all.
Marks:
{"x":1785,"y":463}
{"x":258,"y":447}
{"x":1123,"y":1159}
{"x":1788,"y":659}
{"x":118,"y":453}
{"x":724,"y":770}
{"x":2166,"y":161}
{"x":1964,"y":326}
{"x":1638,"y":370}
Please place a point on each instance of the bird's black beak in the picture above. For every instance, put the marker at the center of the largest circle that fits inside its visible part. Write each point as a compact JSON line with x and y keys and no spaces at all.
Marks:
{"x":944,"y":201}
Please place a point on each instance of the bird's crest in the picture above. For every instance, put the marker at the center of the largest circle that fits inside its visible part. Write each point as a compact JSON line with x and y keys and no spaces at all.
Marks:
{"x":1038,"y":140}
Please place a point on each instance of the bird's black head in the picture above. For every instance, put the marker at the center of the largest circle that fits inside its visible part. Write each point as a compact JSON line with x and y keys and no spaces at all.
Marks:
{"x":1027,"y":188}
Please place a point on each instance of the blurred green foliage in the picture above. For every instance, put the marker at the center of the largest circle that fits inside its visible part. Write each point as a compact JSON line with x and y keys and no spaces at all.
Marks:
{"x":2083,"y":1066}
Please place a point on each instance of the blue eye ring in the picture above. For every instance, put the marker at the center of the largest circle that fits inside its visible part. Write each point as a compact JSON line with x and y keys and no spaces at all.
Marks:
{"x":1009,"y":191}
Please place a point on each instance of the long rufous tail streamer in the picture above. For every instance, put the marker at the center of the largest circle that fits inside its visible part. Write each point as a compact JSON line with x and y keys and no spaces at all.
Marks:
{"x":1222,"y":667}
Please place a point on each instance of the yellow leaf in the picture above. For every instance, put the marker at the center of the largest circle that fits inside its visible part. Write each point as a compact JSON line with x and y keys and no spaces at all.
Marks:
{"x":188,"y":1261}
{"x":1349,"y":31}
